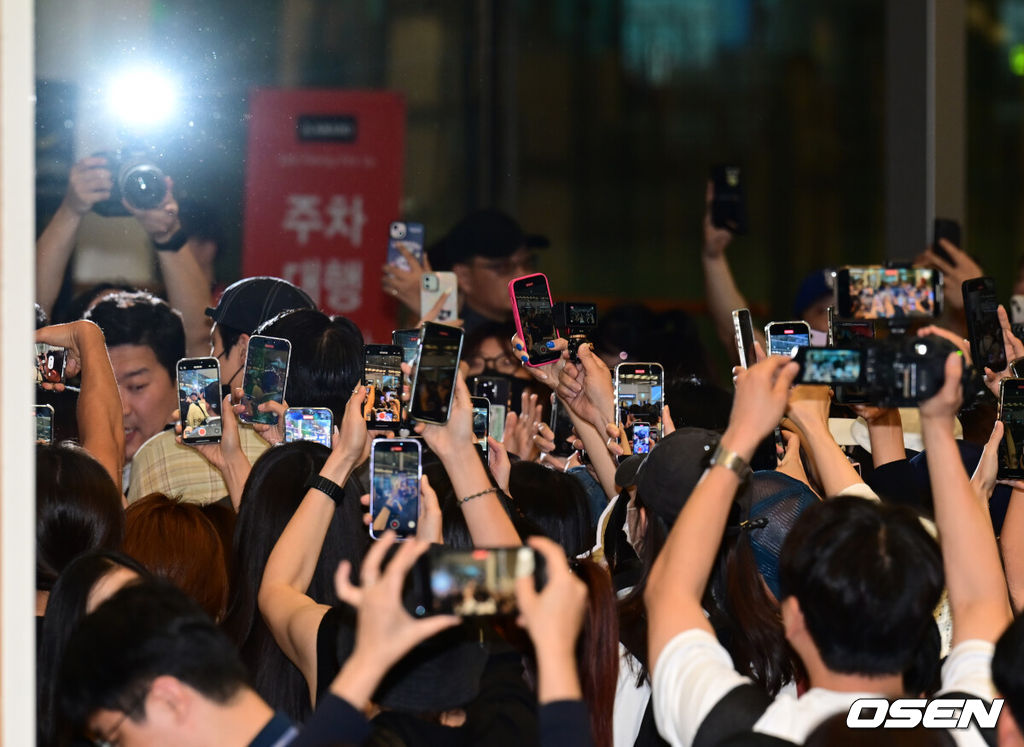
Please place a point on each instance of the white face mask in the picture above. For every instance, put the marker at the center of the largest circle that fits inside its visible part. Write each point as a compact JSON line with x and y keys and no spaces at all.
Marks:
{"x":818,"y":339}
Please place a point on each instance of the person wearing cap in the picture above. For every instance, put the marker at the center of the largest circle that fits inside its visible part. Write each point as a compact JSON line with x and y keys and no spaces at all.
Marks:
{"x":242,"y":308}
{"x":164,"y":466}
{"x":486,"y":250}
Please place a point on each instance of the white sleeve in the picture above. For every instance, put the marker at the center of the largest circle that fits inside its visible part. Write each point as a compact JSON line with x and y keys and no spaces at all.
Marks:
{"x":968,"y":669}
{"x":693,"y":673}
{"x":859,"y":490}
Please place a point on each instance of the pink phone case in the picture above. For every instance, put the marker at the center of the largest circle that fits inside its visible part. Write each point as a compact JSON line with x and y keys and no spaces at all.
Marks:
{"x":515,"y":310}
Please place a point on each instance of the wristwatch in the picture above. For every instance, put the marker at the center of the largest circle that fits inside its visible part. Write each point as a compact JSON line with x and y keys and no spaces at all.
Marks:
{"x":173,"y":244}
{"x":732,"y":461}
{"x":328,"y":487}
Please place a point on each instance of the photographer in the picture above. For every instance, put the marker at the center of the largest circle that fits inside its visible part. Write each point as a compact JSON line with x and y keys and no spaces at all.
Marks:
{"x":91,"y":183}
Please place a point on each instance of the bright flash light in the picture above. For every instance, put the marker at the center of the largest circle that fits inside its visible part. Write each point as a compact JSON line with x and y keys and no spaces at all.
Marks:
{"x":143,"y":97}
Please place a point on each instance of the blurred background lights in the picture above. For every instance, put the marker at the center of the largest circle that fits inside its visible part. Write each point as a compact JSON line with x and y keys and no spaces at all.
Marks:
{"x":142,"y":97}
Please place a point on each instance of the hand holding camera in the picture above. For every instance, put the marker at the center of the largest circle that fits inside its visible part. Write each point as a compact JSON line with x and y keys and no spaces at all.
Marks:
{"x":90,"y":183}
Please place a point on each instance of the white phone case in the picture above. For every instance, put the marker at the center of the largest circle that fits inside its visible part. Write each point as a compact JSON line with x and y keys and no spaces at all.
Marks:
{"x":433,"y":285}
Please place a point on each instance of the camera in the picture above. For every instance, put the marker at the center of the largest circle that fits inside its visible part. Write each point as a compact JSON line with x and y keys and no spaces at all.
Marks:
{"x":137,"y":178}
{"x":575,"y":321}
{"x":896,"y":372}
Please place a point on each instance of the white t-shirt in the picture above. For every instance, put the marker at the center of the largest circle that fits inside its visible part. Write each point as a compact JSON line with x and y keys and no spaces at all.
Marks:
{"x":694,"y":672}
{"x":630,"y":700}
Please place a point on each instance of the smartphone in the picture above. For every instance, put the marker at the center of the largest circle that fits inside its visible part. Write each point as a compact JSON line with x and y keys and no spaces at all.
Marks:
{"x":728,"y":206}
{"x":50,"y":362}
{"x":433,"y":382}
{"x":395,"y":471}
{"x":640,"y":396}
{"x":830,"y":366}
{"x":534,"y":316}
{"x":470,"y":583}
{"x":561,"y":426}
{"x":1011,"y":412}
{"x":496,"y":421}
{"x":744,"y":329}
{"x":265,"y":377}
{"x":409,"y":236}
{"x":576,"y":322}
{"x":308,"y":424}
{"x":641,"y":438}
{"x":878,"y":292}
{"x":199,"y":400}
{"x":382,"y":375}
{"x":1017,"y":368}
{"x":434,"y":285}
{"x":945,"y":228}
{"x":409,"y":341}
{"x":481,"y":424}
{"x":983,"y":327}
{"x":1016,"y":309}
{"x":495,"y":389}
{"x":784,"y":338}
{"x":44,"y":424}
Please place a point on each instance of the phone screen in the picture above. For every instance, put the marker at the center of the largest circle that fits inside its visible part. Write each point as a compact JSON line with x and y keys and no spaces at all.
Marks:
{"x":44,"y":424}
{"x":641,"y":438}
{"x":983,"y":327}
{"x":477,"y":582}
{"x":496,"y":421}
{"x":886,"y":292}
{"x":744,"y":337}
{"x":409,"y":341}
{"x":434,"y":381}
{"x":199,"y":400}
{"x":394,"y":486}
{"x":495,"y":389}
{"x":50,"y":361}
{"x":640,"y":394}
{"x":266,"y":374}
{"x":1011,"y":412}
{"x":829,"y":366}
{"x":382,"y":373}
{"x":785,"y":338}
{"x":535,"y":319}
{"x":409,"y":236}
{"x":481,"y":426}
{"x":308,"y":424}
{"x":851,"y":333}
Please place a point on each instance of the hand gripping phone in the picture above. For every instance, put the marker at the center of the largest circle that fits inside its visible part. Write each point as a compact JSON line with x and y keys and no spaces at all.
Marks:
{"x":265,"y":377}
{"x":395,"y":471}
{"x":382,"y":375}
{"x":433,"y":383}
{"x":199,"y":400}
{"x":434,"y":285}
{"x":744,"y":329}
{"x":534,"y":317}
{"x":640,"y":397}
{"x":983,"y":328}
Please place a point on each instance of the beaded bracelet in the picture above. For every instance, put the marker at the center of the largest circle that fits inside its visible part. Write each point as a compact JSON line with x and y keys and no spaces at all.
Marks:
{"x":468,"y":498}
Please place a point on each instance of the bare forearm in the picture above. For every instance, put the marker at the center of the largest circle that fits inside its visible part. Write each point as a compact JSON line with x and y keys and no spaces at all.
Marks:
{"x":557,"y":675}
{"x":722,"y":296}
{"x":235,"y":473}
{"x":488,"y":524}
{"x":830,"y":463}
{"x":188,"y":292}
{"x":53,"y":252}
{"x":974,"y":574}
{"x":600,"y":459}
{"x":1011,"y":541}
{"x":886,"y":435}
{"x":99,"y":412}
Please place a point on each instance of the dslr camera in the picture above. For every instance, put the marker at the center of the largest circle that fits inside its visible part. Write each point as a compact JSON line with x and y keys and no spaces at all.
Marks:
{"x":895,"y":372}
{"x":576,"y":322}
{"x":137,"y":178}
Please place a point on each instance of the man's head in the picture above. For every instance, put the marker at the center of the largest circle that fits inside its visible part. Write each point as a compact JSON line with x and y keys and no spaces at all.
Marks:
{"x":326,"y":361}
{"x":145,"y":338}
{"x":242,"y":308}
{"x":859,"y":581}
{"x":813,"y":299}
{"x":486,"y":250}
{"x":136,"y":669}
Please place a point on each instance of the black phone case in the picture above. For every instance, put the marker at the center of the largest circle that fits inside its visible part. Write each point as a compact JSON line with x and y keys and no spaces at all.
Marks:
{"x":728,"y":205}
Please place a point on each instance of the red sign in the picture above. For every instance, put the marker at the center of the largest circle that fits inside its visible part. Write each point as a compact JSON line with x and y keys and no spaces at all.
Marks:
{"x":323,"y":183}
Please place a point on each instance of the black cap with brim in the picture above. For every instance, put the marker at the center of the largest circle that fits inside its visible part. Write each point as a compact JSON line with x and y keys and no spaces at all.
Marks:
{"x":486,"y":233}
{"x":247,"y":304}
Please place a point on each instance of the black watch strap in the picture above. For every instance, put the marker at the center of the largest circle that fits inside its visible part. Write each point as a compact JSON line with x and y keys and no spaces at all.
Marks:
{"x":173,"y":244}
{"x":328,"y":487}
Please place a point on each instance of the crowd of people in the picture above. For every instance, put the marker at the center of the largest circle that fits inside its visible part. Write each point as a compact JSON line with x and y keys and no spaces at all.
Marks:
{"x":746,"y":579}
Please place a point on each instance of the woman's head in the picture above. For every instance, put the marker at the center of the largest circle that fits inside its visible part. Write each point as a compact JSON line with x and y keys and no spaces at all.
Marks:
{"x":176,"y":541}
{"x":78,"y":508}
{"x":555,"y":502}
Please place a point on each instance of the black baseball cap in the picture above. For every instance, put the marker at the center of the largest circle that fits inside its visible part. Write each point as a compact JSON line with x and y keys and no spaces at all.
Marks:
{"x":484,"y":233}
{"x":248,"y":303}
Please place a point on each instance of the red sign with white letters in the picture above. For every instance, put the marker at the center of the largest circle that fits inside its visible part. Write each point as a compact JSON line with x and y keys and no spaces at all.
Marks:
{"x":323,"y":183}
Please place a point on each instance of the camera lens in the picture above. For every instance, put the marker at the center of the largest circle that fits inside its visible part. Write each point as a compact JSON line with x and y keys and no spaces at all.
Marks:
{"x":143,"y":185}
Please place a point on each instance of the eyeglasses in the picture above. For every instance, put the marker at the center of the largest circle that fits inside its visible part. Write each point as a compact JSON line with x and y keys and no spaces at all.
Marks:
{"x":500,"y":363}
{"x":113,"y":740}
{"x":508,"y":267}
